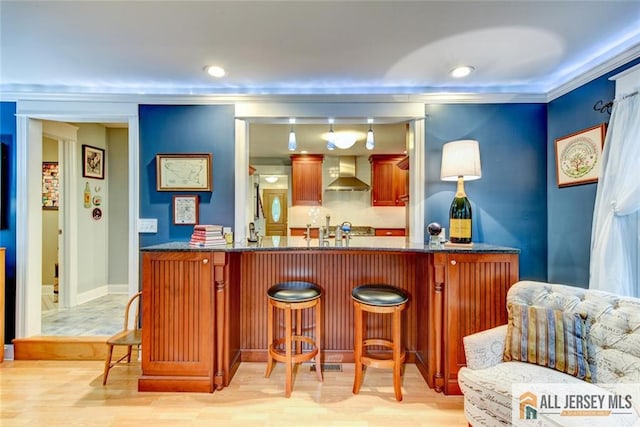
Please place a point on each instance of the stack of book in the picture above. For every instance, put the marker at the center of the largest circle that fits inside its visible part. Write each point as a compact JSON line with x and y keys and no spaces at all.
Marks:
{"x":207,"y":236}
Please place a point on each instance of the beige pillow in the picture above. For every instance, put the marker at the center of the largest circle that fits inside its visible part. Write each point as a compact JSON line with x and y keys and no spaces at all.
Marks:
{"x":547,"y":337}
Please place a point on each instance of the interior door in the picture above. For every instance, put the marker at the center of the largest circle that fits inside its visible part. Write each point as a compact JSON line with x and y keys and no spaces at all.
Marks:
{"x":275,"y":211}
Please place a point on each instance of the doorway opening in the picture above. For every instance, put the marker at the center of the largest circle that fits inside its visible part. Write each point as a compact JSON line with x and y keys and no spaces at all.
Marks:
{"x":84,"y":290}
{"x":78,"y":268}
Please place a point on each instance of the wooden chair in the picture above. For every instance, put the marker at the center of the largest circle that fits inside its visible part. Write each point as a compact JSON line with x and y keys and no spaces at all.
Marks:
{"x":128,"y":337}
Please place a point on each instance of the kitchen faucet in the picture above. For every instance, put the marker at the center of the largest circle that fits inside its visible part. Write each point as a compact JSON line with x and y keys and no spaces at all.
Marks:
{"x":307,"y":235}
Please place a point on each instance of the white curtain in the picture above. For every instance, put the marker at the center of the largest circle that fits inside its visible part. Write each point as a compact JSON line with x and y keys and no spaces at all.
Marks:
{"x":614,"y":235}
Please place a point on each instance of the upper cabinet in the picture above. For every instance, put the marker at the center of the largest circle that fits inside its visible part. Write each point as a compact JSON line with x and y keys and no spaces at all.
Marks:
{"x":306,"y":180}
{"x":389,"y":183}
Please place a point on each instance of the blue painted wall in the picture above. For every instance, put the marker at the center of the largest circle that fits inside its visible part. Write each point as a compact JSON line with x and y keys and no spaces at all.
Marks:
{"x":570,"y":209}
{"x":8,"y":234}
{"x":186,"y":129}
{"x":509,"y":202}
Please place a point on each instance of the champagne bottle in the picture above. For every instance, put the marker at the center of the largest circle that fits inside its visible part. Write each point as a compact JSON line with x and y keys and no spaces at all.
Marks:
{"x":87,"y":195}
{"x":460,"y":216}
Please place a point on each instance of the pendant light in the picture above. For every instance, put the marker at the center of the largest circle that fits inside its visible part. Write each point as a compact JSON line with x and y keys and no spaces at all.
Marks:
{"x":292,"y":136}
{"x":331,"y":145}
{"x":370,"y":142}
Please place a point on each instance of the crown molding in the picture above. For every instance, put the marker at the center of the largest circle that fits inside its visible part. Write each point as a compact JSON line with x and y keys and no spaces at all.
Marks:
{"x":427,"y":98}
{"x":595,"y":72}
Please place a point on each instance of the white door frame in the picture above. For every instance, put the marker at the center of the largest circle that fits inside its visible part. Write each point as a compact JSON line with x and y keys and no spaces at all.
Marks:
{"x":29,"y":203}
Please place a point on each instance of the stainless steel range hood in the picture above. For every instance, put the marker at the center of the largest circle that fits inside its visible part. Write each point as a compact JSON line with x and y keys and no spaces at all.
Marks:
{"x":347,"y":180}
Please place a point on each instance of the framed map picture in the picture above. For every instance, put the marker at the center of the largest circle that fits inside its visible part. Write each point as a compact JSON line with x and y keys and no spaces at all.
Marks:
{"x":578,"y":156}
{"x":183,"y":172}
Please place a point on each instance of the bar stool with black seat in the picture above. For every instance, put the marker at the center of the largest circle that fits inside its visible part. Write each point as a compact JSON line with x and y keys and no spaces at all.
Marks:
{"x":293,"y":296}
{"x":382,"y":299}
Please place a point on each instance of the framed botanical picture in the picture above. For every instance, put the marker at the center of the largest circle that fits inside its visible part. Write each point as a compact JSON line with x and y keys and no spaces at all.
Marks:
{"x":50,"y":186}
{"x":183,"y":172}
{"x":92,"y":162}
{"x":578,"y":156}
{"x":185,"y":209}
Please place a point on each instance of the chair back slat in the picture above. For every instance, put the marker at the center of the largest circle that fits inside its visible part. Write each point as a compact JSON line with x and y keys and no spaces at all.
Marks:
{"x":136,"y":298}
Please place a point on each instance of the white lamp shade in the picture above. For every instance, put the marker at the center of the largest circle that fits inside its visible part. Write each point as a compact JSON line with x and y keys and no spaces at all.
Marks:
{"x":461,"y":158}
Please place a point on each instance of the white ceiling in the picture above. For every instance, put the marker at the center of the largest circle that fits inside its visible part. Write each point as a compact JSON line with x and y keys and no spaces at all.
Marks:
{"x":309,"y":47}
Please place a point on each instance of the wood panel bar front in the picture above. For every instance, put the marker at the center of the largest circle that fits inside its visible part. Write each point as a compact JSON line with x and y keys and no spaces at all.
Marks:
{"x":337,"y":273}
{"x":205,"y":312}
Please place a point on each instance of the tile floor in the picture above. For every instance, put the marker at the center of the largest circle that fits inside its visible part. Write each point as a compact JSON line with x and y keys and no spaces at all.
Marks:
{"x":101,"y":316}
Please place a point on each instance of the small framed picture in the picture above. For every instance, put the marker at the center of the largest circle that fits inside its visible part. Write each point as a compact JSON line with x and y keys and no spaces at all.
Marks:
{"x":185,"y":209}
{"x":578,"y":156}
{"x":92,"y":162}
{"x":183,"y":172}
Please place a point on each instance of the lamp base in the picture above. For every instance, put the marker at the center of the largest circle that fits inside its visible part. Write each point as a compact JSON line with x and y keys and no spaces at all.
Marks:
{"x":458,"y":245}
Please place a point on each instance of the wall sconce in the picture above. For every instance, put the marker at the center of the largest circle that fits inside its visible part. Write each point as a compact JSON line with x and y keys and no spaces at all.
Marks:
{"x":460,"y":162}
{"x":370,"y":142}
{"x":292,"y":136}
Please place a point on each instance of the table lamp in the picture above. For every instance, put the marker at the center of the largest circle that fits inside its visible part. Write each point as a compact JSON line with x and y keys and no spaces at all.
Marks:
{"x":460,"y":162}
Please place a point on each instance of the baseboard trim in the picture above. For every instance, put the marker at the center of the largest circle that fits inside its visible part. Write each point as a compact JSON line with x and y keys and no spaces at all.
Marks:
{"x":65,"y":348}
{"x":92,"y":294}
{"x":8,"y":352}
{"x":122,"y":288}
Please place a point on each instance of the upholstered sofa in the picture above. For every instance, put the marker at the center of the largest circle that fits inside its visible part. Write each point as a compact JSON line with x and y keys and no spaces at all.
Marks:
{"x":612,"y":344}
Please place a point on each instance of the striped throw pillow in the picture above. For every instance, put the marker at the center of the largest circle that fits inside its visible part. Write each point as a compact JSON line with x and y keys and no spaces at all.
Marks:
{"x":547,"y":337}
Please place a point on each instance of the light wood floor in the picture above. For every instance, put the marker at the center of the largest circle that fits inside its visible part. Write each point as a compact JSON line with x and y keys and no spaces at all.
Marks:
{"x":70,"y":393}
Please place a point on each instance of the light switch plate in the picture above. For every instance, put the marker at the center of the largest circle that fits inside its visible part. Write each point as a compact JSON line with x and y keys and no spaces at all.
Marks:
{"x":147,"y":225}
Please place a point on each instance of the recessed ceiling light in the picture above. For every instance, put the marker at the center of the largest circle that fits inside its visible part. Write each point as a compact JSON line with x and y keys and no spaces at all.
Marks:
{"x":215,"y":71}
{"x":462,"y":71}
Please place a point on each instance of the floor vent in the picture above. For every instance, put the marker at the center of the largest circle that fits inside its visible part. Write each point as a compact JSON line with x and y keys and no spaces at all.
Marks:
{"x":328,"y":367}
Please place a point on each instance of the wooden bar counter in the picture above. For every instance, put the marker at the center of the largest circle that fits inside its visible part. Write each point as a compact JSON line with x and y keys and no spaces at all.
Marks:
{"x":205,"y":310}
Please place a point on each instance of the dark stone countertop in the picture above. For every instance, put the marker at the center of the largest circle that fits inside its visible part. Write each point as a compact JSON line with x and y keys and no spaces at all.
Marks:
{"x":384,"y":244}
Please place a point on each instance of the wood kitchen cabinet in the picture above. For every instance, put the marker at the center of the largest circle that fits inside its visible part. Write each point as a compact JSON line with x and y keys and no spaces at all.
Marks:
{"x":306,"y":180}
{"x":466,"y":293}
{"x":388,"y":181}
{"x":185,"y":330}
